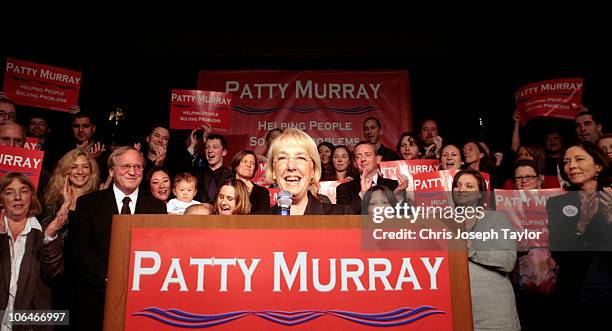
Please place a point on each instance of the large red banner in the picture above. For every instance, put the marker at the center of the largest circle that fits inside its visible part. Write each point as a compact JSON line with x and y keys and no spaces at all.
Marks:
{"x":305,"y":279}
{"x":27,"y":161}
{"x":551,"y":98}
{"x":328,"y":105}
{"x":43,"y":86}
{"x":191,"y":108}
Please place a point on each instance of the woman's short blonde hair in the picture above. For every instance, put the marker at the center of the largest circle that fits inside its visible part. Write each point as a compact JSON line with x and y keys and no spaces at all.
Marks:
{"x":294,"y":138}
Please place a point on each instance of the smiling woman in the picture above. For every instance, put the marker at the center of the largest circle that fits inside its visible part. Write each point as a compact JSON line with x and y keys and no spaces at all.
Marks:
{"x":75,"y":174}
{"x":35,"y":257}
{"x":295,"y":166}
{"x":232,"y":198}
{"x":580,"y":232}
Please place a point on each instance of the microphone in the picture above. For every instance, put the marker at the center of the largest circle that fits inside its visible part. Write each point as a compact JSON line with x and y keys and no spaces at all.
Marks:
{"x":284,"y":201}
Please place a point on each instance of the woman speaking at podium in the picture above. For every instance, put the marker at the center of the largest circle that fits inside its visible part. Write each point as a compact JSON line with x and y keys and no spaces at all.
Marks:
{"x":295,"y":166}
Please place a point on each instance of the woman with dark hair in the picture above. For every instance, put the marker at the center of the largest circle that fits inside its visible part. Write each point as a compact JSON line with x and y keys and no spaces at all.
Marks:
{"x":325,"y":153}
{"x":531,"y":152}
{"x":408,"y":146}
{"x":527,"y":175}
{"x":490,"y":261}
{"x":544,"y":181}
{"x":344,"y":164}
{"x":580,"y":232}
{"x":30,"y":256}
{"x":378,"y":196}
{"x":477,"y":158}
{"x":451,"y":158}
{"x":159,"y":183}
{"x":244,"y":167}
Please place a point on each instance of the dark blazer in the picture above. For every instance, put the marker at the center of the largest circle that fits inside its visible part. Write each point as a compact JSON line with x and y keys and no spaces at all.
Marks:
{"x":348,"y":193}
{"x":387,"y":154}
{"x":259,"y":198}
{"x":315,"y":207}
{"x":573,"y":252}
{"x":90,"y":234}
{"x":204,"y":177}
{"x":39,"y":266}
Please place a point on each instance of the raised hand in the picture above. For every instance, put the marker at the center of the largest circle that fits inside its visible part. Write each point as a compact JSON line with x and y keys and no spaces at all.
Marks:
{"x":402,"y":183}
{"x":160,"y":155}
{"x":366,"y":183}
{"x":58,"y":222}
{"x":516,"y":117}
{"x":68,"y":194}
{"x":97,"y":149}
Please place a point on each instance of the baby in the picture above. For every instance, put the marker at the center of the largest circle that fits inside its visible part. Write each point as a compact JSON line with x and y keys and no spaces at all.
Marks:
{"x":184,"y":188}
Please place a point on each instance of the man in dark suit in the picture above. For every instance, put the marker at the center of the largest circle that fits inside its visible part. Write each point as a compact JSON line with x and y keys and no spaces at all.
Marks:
{"x":91,"y":230}
{"x":215,"y":173}
{"x":367,"y":162}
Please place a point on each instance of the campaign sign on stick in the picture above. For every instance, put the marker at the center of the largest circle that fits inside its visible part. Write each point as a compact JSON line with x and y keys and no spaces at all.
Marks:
{"x":27,"y":161}
{"x":42,"y":86}
{"x":558,"y":98}
{"x":189,"y":109}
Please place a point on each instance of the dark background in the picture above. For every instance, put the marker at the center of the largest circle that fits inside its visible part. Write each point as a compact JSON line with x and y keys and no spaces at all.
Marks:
{"x":456,"y":75}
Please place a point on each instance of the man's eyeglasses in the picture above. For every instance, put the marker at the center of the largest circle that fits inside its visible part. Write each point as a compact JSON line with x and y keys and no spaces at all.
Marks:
{"x":298,"y":159}
{"x":127,"y":167}
{"x":527,"y":178}
{"x":8,"y":115}
{"x":8,"y":141}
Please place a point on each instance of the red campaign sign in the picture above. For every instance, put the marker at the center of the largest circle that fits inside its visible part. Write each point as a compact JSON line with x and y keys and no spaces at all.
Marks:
{"x":260,"y":175}
{"x":527,"y":211}
{"x":431,"y":187}
{"x":43,"y":86}
{"x":328,"y":105}
{"x":15,"y":159}
{"x":273,"y":195}
{"x":551,"y":98}
{"x":408,"y":168}
{"x":328,"y":188}
{"x":304,"y":279}
{"x":191,"y":108}
{"x":32,"y":143}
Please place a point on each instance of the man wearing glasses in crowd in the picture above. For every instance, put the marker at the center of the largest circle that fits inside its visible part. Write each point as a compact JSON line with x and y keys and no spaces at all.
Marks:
{"x":8,"y":111}
{"x":91,"y":230}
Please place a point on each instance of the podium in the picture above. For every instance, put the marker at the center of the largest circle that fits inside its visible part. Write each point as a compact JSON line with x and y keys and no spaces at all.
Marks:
{"x":276,"y":272}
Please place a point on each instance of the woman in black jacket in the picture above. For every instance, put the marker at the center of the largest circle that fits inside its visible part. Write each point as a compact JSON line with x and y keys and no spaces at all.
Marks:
{"x":580,"y":231}
{"x":244,"y":166}
{"x":295,"y":166}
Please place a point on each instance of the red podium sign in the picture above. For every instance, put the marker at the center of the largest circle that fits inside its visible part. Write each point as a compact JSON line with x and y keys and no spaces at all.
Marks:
{"x":304,"y":277}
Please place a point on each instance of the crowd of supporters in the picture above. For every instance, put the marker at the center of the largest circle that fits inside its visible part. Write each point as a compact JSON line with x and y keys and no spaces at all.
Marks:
{"x":84,"y":182}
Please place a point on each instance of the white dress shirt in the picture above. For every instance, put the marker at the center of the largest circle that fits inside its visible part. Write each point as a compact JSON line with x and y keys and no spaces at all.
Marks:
{"x":119,"y":195}
{"x":17,"y":249}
